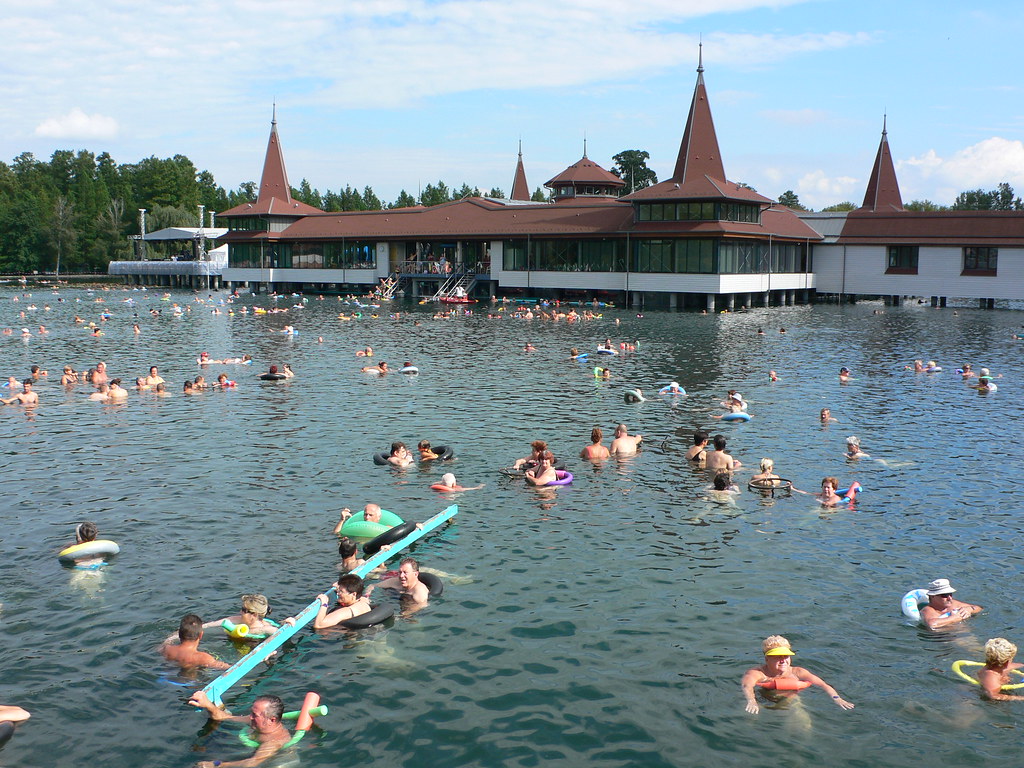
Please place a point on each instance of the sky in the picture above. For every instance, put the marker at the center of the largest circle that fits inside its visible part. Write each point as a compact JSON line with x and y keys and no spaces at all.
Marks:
{"x":396,"y":94}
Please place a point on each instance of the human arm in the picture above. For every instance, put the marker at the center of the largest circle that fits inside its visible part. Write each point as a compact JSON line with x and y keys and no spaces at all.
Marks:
{"x":803,"y":674}
{"x":748,"y":682}
{"x":935,"y":620}
{"x":217,"y":714}
{"x":13,"y":714}
{"x":263,"y":753}
{"x":346,"y":513}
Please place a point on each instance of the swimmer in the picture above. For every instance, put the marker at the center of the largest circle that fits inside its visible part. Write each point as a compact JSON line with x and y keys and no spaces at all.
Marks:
{"x":408,"y":582}
{"x":777,"y":668}
{"x":399,"y":456}
{"x":101,"y":395}
{"x":853,"y":450}
{"x":352,"y":602}
{"x":69,"y":377}
{"x":379,"y":368}
{"x":154,"y":377}
{"x":84,"y":533}
{"x":265,"y":727}
{"x":828,"y":496}
{"x":606,"y":373}
{"x":140,"y":384}
{"x":255,"y":609}
{"x":673,"y":388}
{"x":719,"y":459}
{"x":537,"y":448}
{"x":596,"y":450}
{"x":999,"y":653}
{"x":544,"y":473}
{"x":528,"y":347}
{"x":448,"y":480}
{"x":36,"y":371}
{"x":943,"y":609}
{"x":161,"y":390}
{"x":766,"y":478}
{"x":772,"y":376}
{"x":368,"y":352}
{"x":371,"y":514}
{"x":697,"y":453}
{"x":26,"y":397}
{"x":624,"y":443}
{"x":734,"y":402}
{"x":918,"y":366}
{"x":844,"y":375}
{"x":826,"y":417}
{"x":188,"y":388}
{"x":967,"y":372}
{"x":290,"y":374}
{"x":349,"y":551}
{"x":722,"y":487}
{"x":185,"y":653}
{"x":200,"y":383}
{"x":426,"y":454}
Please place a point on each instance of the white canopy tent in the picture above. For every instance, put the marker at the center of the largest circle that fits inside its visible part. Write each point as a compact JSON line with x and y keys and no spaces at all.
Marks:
{"x":186,"y":233}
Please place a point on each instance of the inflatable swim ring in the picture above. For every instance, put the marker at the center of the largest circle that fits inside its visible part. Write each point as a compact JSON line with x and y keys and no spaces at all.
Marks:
{"x":784,"y":684}
{"x":6,"y":731}
{"x":377,"y":614}
{"x":358,"y":527}
{"x":912,"y":602}
{"x":272,"y":376}
{"x":606,"y":351}
{"x":736,"y":417}
{"x":667,"y":390}
{"x":389,"y":536}
{"x":933,"y":369}
{"x":434,"y":584}
{"x":563,"y":477}
{"x":444,"y":453}
{"x":634,"y":396}
{"x":88,"y":550}
{"x":957,"y":669}
{"x":771,"y":485}
{"x":409,"y":369}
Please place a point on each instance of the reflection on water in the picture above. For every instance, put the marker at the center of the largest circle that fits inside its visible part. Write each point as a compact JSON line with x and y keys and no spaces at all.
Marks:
{"x":602,"y":623}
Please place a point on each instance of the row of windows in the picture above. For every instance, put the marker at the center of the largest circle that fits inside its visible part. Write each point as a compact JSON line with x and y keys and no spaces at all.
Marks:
{"x":983,"y":260}
{"x":676,"y":256}
{"x":698,"y":212}
{"x":248,"y":224}
{"x":350,"y":254}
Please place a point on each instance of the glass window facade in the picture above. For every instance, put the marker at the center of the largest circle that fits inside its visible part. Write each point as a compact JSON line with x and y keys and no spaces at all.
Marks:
{"x":903,"y":259}
{"x":552,"y":255}
{"x":248,"y":224}
{"x":348,"y":254}
{"x":706,"y":211}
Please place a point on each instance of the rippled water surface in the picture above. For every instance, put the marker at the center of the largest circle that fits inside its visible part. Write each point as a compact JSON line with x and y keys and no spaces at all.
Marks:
{"x":606,"y":623}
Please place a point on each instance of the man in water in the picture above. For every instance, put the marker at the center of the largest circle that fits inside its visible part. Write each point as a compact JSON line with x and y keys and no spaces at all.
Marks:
{"x":778,"y":674}
{"x":698,"y":451}
{"x":408,"y":582}
{"x":185,"y":653}
{"x":264,"y":722}
{"x":26,"y":397}
{"x":99,"y":376}
{"x":942,"y":609}
{"x":371,"y":514}
{"x":624,"y":443}
{"x":719,"y":459}
{"x":154,"y":378}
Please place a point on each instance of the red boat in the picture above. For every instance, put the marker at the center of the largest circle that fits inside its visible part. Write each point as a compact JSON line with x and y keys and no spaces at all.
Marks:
{"x":456,"y":300}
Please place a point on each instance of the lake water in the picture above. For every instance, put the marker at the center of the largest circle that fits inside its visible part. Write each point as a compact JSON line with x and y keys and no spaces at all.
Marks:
{"x":606,"y":623}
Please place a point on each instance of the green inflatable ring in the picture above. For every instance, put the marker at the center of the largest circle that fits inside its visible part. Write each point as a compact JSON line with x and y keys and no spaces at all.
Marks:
{"x":357,"y":526}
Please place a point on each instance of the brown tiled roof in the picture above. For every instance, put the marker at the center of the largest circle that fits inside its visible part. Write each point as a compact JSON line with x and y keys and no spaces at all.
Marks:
{"x":699,"y":173}
{"x":520,"y":189}
{"x":586,"y":171}
{"x":883,"y":192}
{"x":954,"y":228}
{"x":275,"y":195}
{"x":779,"y":222}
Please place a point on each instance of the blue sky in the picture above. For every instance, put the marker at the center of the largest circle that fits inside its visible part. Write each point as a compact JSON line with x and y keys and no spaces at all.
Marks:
{"x":400,"y":93}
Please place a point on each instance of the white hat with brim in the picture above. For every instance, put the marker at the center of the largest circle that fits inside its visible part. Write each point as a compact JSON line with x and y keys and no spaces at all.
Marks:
{"x":940,"y":587}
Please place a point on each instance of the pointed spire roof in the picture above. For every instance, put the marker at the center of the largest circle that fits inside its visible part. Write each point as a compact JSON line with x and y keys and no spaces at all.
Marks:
{"x":520,"y":189}
{"x":699,"y":172}
{"x":275,"y":194}
{"x":883,"y":192}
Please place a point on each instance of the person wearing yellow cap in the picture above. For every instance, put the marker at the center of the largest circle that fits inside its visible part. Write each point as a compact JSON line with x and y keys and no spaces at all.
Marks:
{"x":778,"y":674}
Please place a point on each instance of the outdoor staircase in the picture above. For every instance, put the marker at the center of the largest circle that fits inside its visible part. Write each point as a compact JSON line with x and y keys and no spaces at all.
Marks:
{"x":464,"y":280}
{"x":388,"y":286}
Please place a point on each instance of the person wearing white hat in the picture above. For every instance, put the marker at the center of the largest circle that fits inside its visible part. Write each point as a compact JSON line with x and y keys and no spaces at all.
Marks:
{"x":943,"y":609}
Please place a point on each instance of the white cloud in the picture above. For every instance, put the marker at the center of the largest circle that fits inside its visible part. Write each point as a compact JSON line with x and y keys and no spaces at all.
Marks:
{"x":78,"y":125}
{"x":817,"y":189}
{"x":983,"y":164}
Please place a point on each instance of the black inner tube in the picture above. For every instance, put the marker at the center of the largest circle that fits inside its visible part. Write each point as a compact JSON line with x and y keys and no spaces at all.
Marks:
{"x":434,"y":584}
{"x":390,"y":536}
{"x":6,"y":731}
{"x":443,"y":452}
{"x":272,"y":376}
{"x":381,"y":459}
{"x":377,"y":614}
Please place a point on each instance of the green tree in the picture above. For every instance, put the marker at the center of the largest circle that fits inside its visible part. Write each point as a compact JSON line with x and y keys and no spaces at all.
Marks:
{"x":306,"y":194}
{"x":435,"y":195}
{"x":539,"y":195}
{"x":924,"y":205}
{"x":845,"y":206}
{"x":62,"y":232}
{"x":790,"y":200}
{"x":404,"y":200}
{"x":465,"y":191}
{"x":370,"y":200}
{"x":631,"y":167}
{"x":496,"y":193}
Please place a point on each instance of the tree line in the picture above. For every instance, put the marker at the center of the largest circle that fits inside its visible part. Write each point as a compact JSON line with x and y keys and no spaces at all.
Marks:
{"x":76,"y":211}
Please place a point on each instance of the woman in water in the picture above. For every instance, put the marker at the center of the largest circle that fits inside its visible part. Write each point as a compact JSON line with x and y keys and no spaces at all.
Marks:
{"x":544,"y":473}
{"x":596,"y":451}
{"x":537,"y":448}
{"x":853,"y":450}
{"x":400,"y":456}
{"x":351,"y":602}
{"x":766,"y":478}
{"x":828,"y":496}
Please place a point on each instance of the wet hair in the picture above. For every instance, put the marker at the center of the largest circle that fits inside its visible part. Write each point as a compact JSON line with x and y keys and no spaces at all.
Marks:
{"x":832,"y":481}
{"x":187,"y":386}
{"x":722,"y":480}
{"x":28,"y":381}
{"x":411,"y":561}
{"x":190,"y":627}
{"x":274,"y":708}
{"x":161,"y":387}
{"x":999,"y":651}
{"x":596,"y":435}
{"x":767,"y":465}
{"x":115,"y":382}
{"x":719,"y":442}
{"x":774,"y":641}
{"x":396,"y":447}
{"x":423,"y":445}
{"x":273,"y":369}
{"x":539,"y":446}
{"x":351,"y":583}
{"x":347,"y":547}
{"x":86,"y":532}
{"x":34,"y":369}
{"x":699,"y":436}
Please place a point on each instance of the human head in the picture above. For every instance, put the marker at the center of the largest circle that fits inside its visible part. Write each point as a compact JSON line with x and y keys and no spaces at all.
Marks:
{"x":853,"y":440}
{"x":140,"y":382}
{"x":767,"y":465}
{"x":596,"y":435}
{"x":448,"y":478}
{"x":115,"y":383}
{"x":737,"y":397}
{"x":161,"y":387}
{"x":538,"y":447}
{"x":833,"y":482}
{"x":776,"y":645}
{"x":34,"y":369}
{"x":102,"y":388}
{"x":371,"y":513}
{"x":347,"y":547}
{"x":984,"y":372}
{"x":547,"y":456}
{"x":190,"y":628}
{"x":844,"y":369}
{"x":273,"y":369}
{"x":699,"y":437}
{"x":27,"y":384}
{"x":409,"y":565}
{"x":86,"y":532}
{"x":200,"y":380}
{"x":187,"y":387}
{"x":621,"y":430}
{"x":423,"y":445}
{"x":722,"y":480}
{"x":266,"y":713}
{"x":152,"y":370}
{"x":825,"y":413}
{"x":719,"y":442}
{"x":396,"y":447}
{"x":352,"y":584}
{"x":222,"y":379}
{"x":999,"y":651}
{"x":256,"y":605}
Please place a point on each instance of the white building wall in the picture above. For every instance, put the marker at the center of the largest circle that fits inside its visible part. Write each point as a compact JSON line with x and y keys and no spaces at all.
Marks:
{"x":938,"y":273}
{"x":352,"y":276}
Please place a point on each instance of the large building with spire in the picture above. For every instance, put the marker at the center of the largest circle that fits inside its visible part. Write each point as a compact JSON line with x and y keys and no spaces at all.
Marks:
{"x":694,"y":240}
{"x":882,"y":249}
